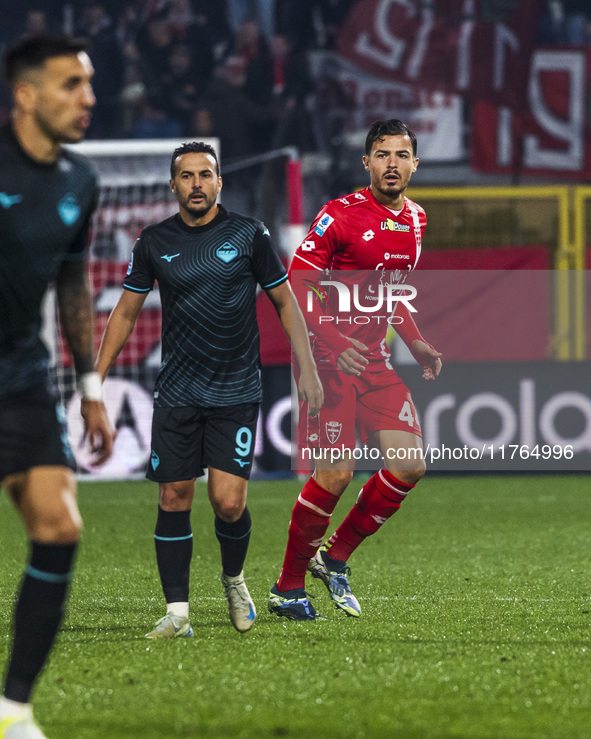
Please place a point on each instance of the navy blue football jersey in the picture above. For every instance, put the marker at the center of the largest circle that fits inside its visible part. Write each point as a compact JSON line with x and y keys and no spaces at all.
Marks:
{"x":208,"y":277}
{"x":45,"y":211}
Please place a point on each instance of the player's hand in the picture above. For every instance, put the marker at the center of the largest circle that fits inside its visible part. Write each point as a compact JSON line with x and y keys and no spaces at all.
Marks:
{"x":428,"y":357}
{"x":99,"y":429}
{"x":351,"y":362}
{"x":310,"y":389}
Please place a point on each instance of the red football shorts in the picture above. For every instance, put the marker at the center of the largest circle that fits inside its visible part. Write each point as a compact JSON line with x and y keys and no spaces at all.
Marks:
{"x":357,"y":406}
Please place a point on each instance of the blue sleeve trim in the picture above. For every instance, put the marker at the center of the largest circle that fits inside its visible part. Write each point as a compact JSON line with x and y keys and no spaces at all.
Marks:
{"x":173,"y":538}
{"x":48,"y":576}
{"x":137,"y":289}
{"x":277,"y":282}
{"x":235,"y":538}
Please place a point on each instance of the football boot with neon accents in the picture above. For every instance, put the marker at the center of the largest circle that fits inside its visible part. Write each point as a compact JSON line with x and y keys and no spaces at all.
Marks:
{"x":240,"y":605}
{"x":171,"y":626}
{"x":337,"y":583}
{"x":292,"y":604}
{"x":20,"y":727}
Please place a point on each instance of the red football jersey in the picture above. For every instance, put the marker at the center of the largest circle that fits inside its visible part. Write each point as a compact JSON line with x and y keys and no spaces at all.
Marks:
{"x":382,"y":246}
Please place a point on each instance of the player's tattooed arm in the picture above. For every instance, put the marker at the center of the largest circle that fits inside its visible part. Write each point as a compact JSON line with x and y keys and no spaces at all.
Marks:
{"x":75,"y":310}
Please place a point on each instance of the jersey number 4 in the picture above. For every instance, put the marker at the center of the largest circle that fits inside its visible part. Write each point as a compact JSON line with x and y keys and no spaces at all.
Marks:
{"x":406,"y":415}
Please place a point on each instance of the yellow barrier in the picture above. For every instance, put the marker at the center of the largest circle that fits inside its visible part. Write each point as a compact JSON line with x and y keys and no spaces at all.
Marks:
{"x":551,"y":216}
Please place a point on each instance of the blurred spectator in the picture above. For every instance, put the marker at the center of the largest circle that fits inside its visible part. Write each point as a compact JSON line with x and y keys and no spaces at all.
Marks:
{"x":312,"y":23}
{"x":551,"y":22}
{"x":295,"y":19}
{"x":577,"y":18}
{"x":261,"y":12}
{"x":565,"y":23}
{"x":332,"y":16}
{"x":155,"y":123}
{"x":253,"y":52}
{"x":36,"y":22}
{"x":154,"y":43}
{"x":107,"y":57}
{"x":203,"y":124}
{"x":181,"y":86}
{"x":238,"y":121}
{"x":213,"y":17}
{"x":292,"y":86}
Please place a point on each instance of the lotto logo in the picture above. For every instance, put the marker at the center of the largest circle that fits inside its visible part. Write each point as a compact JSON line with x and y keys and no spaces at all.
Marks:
{"x":308,"y":246}
{"x":368,"y":235}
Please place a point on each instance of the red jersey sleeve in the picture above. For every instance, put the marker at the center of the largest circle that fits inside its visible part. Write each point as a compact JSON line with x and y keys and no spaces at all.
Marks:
{"x":314,"y":255}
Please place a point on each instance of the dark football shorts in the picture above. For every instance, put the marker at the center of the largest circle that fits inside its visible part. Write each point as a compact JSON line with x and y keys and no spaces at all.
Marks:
{"x":33,"y":432}
{"x":187,"y":440}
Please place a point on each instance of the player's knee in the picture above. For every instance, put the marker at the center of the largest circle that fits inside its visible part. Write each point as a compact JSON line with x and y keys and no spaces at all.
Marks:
{"x":335,"y":481}
{"x":229,"y":510}
{"x":62,"y":528}
{"x":175,"y":496}
{"x":411,"y":477}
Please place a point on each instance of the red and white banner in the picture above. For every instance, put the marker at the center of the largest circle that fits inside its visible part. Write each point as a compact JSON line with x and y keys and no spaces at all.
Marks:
{"x":553,"y":135}
{"x":480,"y":48}
{"x":435,"y":116}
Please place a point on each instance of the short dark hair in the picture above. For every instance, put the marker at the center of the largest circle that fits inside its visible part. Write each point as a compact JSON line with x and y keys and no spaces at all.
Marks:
{"x":32,"y":53}
{"x":193,"y":147}
{"x":391,"y":127}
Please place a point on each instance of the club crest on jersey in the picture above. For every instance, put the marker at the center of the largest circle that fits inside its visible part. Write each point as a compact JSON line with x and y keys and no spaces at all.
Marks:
{"x":333,"y":431}
{"x":323,"y":224}
{"x":390,"y":225}
{"x":227,"y":252}
{"x":69,"y":209}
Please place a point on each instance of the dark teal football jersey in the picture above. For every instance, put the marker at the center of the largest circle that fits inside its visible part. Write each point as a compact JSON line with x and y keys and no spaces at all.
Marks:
{"x":208,"y":277}
{"x":45,"y":211}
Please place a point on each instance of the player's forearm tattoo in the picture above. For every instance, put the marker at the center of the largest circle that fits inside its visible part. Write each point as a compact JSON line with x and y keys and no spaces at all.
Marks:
{"x":75,"y":308}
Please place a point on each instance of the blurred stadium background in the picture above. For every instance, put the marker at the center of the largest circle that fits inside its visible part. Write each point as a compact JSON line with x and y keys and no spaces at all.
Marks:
{"x":498,"y":93}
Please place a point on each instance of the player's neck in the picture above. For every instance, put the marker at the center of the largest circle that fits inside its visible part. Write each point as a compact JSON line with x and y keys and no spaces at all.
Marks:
{"x":33,"y":141}
{"x":190,"y":220}
{"x":393,"y":203}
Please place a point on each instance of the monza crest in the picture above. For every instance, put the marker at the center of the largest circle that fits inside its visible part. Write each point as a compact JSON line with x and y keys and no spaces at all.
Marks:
{"x":333,"y":431}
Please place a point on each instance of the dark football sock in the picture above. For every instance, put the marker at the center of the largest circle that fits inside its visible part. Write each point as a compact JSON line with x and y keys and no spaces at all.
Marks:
{"x":174,"y":548}
{"x":38,"y":615}
{"x":233,"y":539}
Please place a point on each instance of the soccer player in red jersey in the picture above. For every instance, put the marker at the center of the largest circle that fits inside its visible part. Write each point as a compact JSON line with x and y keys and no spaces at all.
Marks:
{"x":367,"y":242}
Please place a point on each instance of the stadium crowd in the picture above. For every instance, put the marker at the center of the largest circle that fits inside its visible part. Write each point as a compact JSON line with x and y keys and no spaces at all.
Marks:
{"x":236,"y":69}
{"x":192,"y":68}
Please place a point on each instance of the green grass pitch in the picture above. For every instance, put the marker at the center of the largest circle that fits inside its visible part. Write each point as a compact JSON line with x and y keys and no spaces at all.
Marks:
{"x":476,"y":611}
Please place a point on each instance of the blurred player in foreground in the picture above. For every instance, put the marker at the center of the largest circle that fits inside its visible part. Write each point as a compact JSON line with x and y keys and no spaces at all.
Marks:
{"x":46,"y":200}
{"x":208,"y":263}
{"x":376,"y":233}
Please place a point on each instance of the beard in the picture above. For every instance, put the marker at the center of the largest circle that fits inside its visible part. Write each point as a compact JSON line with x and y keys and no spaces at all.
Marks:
{"x":200,"y":209}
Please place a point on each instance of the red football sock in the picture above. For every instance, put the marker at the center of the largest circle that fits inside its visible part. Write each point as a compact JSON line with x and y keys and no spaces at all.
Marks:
{"x":309,"y":520}
{"x":379,"y":499}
